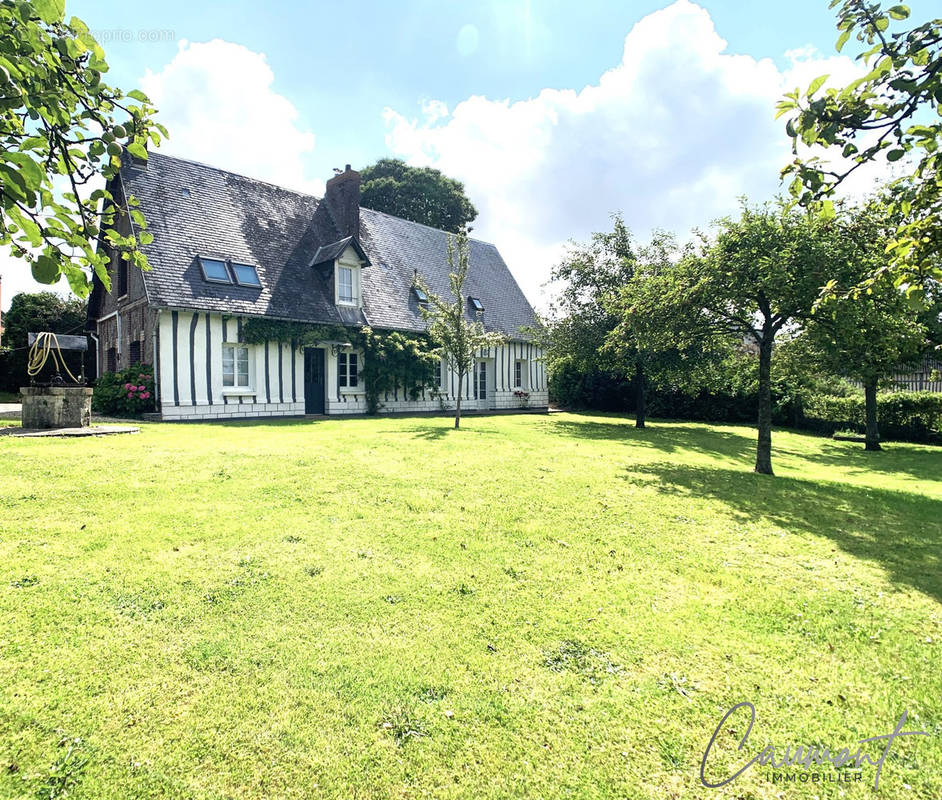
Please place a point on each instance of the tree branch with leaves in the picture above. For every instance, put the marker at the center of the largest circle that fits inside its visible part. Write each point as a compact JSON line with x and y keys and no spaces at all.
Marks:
{"x":889,"y":113}
{"x":61,"y":127}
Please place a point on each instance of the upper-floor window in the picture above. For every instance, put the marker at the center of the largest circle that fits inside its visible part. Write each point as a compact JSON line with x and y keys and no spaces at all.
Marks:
{"x":218,"y":270}
{"x":345,"y":285}
{"x":246,"y":275}
{"x":215,"y":270}
{"x":235,"y":365}
{"x":348,"y":370}
{"x":122,"y":277}
{"x":476,"y":305}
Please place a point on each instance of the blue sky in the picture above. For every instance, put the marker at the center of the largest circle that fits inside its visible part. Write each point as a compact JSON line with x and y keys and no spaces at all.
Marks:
{"x":554,"y":114}
{"x":341,"y":64}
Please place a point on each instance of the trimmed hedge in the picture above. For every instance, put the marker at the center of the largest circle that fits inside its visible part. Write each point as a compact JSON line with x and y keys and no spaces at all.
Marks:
{"x":128,"y":393}
{"x":913,"y":416}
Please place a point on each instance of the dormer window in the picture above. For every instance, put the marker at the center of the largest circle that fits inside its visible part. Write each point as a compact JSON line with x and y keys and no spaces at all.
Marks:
{"x":421,"y":295}
{"x":476,"y":304}
{"x":246,"y":275}
{"x":214,"y":270}
{"x":345,"y":285}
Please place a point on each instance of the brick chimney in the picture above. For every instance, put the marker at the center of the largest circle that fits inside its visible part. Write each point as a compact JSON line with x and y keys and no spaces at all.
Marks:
{"x":343,"y":198}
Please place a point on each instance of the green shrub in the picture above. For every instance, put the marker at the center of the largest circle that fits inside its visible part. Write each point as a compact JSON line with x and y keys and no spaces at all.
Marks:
{"x":127,"y":393}
{"x":913,"y":416}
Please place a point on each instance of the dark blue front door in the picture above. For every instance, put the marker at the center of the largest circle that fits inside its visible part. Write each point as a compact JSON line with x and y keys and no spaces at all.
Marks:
{"x":315,"y":381}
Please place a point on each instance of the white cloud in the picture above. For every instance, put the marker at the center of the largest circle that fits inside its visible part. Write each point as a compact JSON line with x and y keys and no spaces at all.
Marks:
{"x":671,"y":136}
{"x":217,"y":102}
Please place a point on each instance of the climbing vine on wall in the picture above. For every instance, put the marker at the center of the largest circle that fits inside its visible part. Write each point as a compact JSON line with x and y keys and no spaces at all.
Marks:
{"x":392,"y":361}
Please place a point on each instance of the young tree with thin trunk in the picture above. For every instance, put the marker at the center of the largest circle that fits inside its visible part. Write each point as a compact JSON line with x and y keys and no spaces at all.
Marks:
{"x":460,"y":338}
{"x":867,"y":339}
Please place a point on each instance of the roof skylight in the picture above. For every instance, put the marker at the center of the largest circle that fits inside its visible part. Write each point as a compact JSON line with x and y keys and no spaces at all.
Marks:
{"x":246,"y":275}
{"x":214,"y":270}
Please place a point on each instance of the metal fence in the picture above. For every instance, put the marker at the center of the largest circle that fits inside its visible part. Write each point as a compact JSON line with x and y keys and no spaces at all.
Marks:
{"x":925,"y":378}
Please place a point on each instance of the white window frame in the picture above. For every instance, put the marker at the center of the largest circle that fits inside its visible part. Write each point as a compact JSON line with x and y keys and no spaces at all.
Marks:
{"x":235,"y":387}
{"x":354,"y":266}
{"x":348,"y":389}
{"x":479,"y":366}
{"x":443,"y":374}
{"x":521,"y":382}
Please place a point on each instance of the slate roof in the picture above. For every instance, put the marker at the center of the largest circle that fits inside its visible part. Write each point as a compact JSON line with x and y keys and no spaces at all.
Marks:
{"x":195,"y":209}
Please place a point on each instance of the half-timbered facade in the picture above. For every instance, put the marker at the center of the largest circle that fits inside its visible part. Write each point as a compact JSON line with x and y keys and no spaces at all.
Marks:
{"x":228,"y":249}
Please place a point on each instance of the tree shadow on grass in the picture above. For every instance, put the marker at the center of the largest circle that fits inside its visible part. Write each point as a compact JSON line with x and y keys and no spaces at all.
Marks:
{"x":899,"y":531}
{"x":668,"y":439}
{"x":924,"y":464}
{"x":434,"y":432}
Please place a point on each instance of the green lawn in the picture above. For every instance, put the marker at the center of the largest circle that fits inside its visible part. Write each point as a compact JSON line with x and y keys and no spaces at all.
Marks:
{"x":534,"y":606}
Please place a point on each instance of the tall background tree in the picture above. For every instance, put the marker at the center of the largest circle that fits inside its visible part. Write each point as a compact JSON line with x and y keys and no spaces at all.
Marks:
{"x":588,"y":278}
{"x":459,"y":340}
{"x":42,"y":311}
{"x":759,"y":274}
{"x":419,"y":194}
{"x":889,"y":113}
{"x":61,"y":127}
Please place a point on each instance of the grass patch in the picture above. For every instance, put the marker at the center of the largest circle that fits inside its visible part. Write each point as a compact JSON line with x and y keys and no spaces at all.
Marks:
{"x":554,"y":606}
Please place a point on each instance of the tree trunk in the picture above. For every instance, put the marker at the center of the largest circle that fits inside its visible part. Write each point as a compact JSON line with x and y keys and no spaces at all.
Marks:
{"x":764,"y":444}
{"x":640,"y":394}
{"x":458,"y":402}
{"x":873,"y":430}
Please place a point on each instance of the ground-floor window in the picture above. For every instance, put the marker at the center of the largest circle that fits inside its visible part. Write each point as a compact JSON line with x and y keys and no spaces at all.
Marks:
{"x":480,"y":380}
{"x":134,"y":353}
{"x":235,"y":365}
{"x":348,"y":370}
{"x":111,"y":360}
{"x":520,"y":373}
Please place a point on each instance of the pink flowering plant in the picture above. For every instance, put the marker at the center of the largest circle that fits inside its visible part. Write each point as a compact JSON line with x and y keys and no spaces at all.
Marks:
{"x":127,"y":393}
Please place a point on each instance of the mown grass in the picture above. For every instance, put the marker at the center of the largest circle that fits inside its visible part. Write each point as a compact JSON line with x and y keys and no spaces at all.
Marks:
{"x":534,"y":606}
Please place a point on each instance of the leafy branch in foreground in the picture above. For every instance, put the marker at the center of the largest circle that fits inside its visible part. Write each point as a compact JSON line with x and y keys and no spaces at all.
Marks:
{"x":61,"y":127}
{"x":892,"y":112}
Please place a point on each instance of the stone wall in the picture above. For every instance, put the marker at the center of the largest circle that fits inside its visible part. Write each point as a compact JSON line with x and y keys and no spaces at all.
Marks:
{"x":56,"y":406}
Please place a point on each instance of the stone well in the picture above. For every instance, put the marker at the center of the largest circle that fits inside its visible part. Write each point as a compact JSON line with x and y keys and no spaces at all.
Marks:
{"x":56,"y":406}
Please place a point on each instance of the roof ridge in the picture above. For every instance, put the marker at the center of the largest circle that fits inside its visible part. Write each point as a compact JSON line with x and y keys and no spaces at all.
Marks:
{"x":236,"y":174}
{"x":423,"y":225}
{"x":306,"y":194}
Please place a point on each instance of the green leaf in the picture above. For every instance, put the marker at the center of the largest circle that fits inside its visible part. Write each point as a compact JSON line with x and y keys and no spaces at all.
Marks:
{"x":78,"y":280}
{"x":137,"y":150}
{"x":45,"y":269}
{"x":898,"y":12}
{"x":137,"y":94}
{"x":827,"y":209}
{"x":842,"y":40}
{"x":31,"y":172}
{"x":816,"y":84}
{"x":895,"y":155}
{"x":50,"y":10}
{"x":30,"y":228}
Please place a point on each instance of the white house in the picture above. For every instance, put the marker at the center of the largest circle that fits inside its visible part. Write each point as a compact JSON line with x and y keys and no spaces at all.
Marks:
{"x":228,"y":249}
